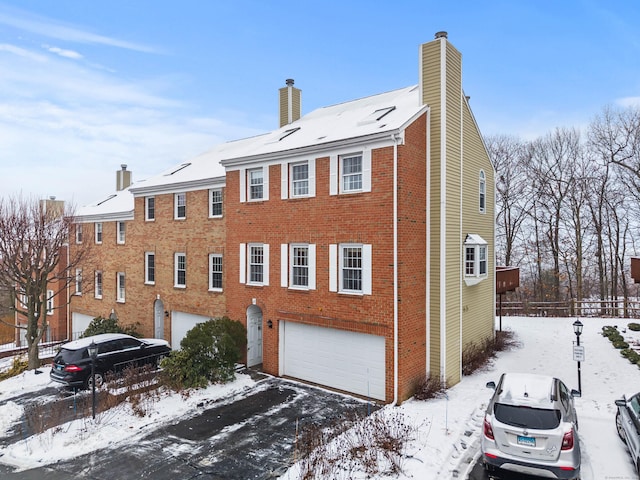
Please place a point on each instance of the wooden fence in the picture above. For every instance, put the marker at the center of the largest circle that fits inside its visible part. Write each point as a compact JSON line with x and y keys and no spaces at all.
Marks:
{"x":572,"y":308}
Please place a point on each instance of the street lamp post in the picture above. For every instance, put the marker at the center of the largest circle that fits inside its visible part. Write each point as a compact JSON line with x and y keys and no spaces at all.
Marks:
{"x":93,"y":353}
{"x":577,"y":328}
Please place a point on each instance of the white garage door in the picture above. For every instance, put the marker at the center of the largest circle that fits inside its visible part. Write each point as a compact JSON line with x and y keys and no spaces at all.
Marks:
{"x":354,"y":362}
{"x":181,"y":323}
{"x":79,"y":323}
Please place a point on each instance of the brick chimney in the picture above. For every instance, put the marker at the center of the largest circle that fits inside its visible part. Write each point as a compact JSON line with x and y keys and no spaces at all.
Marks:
{"x":123,"y":178}
{"x":290,"y":103}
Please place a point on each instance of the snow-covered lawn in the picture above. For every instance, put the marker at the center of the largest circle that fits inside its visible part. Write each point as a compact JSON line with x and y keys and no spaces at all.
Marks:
{"x":447,"y":430}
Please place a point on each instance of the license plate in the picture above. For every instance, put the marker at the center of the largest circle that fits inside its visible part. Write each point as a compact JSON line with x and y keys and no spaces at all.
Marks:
{"x":526,"y":441}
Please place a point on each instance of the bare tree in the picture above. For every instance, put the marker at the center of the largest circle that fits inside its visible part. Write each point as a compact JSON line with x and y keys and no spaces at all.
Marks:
{"x":34,"y":259}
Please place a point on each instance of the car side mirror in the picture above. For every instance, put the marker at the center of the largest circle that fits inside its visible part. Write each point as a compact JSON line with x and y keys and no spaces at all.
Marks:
{"x":621,"y":402}
{"x":575,"y":393}
{"x":491,"y":385}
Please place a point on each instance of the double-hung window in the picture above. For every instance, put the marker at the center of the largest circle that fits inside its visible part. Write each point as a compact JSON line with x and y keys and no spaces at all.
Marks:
{"x":256,"y":184}
{"x":215,"y":202}
{"x":150,"y":268}
{"x":98,"y":229}
{"x":120,"y":287}
{"x":482,"y":192}
{"x":351,"y":173}
{"x":78,"y":281}
{"x":150,"y":209}
{"x":180,"y":270}
{"x":49,"y":302}
{"x":97,"y":288}
{"x":180,"y":206}
{"x":298,"y":268}
{"x":475,"y":259}
{"x":78,"y":233}
{"x":350,"y":268}
{"x":254,"y":263}
{"x":215,"y":272}
{"x":300,"y":179}
{"x":121,"y":226}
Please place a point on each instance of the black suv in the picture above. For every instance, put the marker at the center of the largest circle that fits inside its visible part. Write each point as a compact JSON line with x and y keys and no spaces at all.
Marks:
{"x":72,"y":364}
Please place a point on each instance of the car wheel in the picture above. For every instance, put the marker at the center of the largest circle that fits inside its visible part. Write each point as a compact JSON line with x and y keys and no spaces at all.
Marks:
{"x":619,"y":427}
{"x":99,"y":381}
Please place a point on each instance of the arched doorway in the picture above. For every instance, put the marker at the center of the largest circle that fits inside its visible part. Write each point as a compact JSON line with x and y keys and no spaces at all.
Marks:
{"x":158,"y":319}
{"x":254,"y":336}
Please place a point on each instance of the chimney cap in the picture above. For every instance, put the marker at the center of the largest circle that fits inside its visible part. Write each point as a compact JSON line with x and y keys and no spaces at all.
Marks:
{"x":123,"y":166}
{"x":289,"y":82}
{"x":441,"y":34}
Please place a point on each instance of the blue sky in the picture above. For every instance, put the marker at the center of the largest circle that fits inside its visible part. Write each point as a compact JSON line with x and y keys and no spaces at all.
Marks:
{"x":88,"y":86}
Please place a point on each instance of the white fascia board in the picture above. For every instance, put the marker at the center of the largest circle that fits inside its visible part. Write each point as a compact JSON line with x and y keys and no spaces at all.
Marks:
{"x":104,"y":217}
{"x":179,"y":187}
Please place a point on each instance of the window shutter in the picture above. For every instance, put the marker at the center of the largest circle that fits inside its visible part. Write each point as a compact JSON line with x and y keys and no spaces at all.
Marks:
{"x":284,"y":265}
{"x":243,"y":263}
{"x":243,"y":185}
{"x":333,"y":175}
{"x":312,"y":177}
{"x":333,"y":267}
{"x":312,"y":267}
{"x":284,"y":181}
{"x":265,"y":181}
{"x":367,"y":268}
{"x":366,"y":170}
{"x":265,"y":251}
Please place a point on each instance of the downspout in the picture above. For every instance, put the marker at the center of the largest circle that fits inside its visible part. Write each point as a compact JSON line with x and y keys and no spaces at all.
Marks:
{"x":395,"y":139}
{"x":428,"y":246}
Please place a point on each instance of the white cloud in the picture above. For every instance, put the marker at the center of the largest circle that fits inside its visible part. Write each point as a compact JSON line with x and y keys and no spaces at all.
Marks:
{"x":47,"y":27}
{"x":63,"y":52}
{"x":628,"y":102}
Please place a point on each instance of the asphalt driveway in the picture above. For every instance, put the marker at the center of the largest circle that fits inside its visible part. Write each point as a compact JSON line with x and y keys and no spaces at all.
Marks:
{"x":248,"y":437}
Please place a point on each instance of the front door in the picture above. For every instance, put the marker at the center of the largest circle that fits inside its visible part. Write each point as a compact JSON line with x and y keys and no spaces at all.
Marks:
{"x":254,"y":336}
{"x":158,"y":319}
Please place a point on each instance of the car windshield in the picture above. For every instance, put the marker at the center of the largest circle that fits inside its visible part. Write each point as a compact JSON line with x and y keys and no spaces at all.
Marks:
{"x":527,"y":417}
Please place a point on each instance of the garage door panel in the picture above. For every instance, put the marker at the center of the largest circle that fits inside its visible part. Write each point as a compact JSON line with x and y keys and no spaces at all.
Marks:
{"x":354,"y":362}
{"x":181,"y":323}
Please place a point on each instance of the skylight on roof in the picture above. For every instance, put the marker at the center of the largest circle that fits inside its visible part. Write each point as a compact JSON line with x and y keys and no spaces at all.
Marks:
{"x":106,"y":199}
{"x":184,"y":165}
{"x":279,"y":136}
{"x":376,"y":115}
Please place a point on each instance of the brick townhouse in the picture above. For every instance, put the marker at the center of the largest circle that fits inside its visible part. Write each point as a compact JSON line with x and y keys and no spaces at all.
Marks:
{"x":355,"y":242}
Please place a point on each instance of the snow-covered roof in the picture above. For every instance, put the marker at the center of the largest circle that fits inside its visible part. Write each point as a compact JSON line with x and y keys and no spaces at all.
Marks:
{"x":115,"y":206}
{"x":351,"y":123}
{"x":358,"y":120}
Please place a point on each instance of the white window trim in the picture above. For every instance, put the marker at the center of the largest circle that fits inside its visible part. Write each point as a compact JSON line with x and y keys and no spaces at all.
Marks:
{"x":286,"y":179}
{"x":175,"y":270}
{"x":98,"y":227}
{"x":211,"y":215}
{"x":211,"y":257}
{"x":97,"y":292}
{"x":476,"y":242}
{"x":146,"y":267}
{"x":176,"y":196}
{"x":78,"y":282}
{"x":78,"y":233}
{"x":146,"y":209}
{"x":286,"y":266}
{"x":335,"y":173}
{"x":50,"y":302}
{"x":246,"y":260}
{"x":482,"y":194}
{"x":121,"y":286}
{"x":246,"y":173}
{"x":121,"y":233}
{"x":335,"y":268}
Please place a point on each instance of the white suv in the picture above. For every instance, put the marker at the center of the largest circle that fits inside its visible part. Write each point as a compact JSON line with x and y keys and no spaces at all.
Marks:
{"x":531,"y":427}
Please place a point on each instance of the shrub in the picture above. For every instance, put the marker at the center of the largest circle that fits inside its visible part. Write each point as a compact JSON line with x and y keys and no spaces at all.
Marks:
{"x":625,"y":352}
{"x":608,"y":330}
{"x":18,"y":365}
{"x":429,"y":387}
{"x":634,"y":327}
{"x":633,"y":357}
{"x":476,"y":356}
{"x":109,"y":325}
{"x":616,"y":338}
{"x":620,"y":344}
{"x":208,"y":353}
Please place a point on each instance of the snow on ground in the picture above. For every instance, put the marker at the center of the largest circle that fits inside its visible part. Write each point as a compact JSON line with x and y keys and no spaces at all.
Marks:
{"x":447,"y":430}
